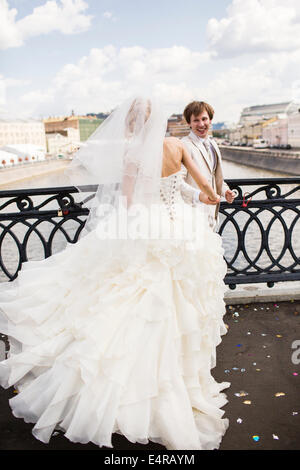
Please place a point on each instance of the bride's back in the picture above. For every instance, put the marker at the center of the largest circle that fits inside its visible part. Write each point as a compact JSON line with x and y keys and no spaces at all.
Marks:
{"x":172,"y":156}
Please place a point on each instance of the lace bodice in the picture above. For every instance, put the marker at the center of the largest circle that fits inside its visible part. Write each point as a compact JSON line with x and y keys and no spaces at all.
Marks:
{"x":170,"y":193}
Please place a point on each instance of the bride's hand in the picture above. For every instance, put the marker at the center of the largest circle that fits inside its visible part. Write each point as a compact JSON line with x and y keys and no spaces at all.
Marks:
{"x":206,"y":200}
{"x":216,"y":200}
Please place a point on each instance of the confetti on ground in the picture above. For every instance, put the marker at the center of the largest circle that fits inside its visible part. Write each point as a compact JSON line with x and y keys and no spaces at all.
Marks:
{"x":239,"y":345}
{"x":295,"y":373}
{"x":278,"y":336}
{"x":241,"y":394}
{"x":255,"y":438}
{"x":279,"y":394}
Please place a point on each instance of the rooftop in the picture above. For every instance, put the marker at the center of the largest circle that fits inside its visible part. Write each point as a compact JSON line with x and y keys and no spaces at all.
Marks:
{"x":24,"y":121}
{"x":270,"y":108}
{"x":69,"y":118}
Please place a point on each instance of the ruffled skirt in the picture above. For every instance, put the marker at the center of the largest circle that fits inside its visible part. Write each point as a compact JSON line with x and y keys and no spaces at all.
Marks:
{"x":100,"y":345}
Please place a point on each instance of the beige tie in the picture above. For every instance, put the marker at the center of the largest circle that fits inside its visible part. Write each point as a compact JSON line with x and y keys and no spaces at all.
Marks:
{"x":210,"y":153}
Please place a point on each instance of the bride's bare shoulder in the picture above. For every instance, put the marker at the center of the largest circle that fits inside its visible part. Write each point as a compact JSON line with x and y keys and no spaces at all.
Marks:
{"x":173,"y":141}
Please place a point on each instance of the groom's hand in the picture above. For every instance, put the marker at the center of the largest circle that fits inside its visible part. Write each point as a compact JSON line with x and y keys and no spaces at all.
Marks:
{"x":204,"y":198}
{"x":229,"y":196}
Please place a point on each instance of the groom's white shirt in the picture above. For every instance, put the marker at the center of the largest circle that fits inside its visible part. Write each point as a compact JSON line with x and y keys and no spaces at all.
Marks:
{"x":212,"y":170}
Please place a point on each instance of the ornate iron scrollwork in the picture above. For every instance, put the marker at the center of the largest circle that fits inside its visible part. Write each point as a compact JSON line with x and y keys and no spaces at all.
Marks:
{"x":274,"y":211}
{"x":23,"y":213}
{"x":265,"y":211}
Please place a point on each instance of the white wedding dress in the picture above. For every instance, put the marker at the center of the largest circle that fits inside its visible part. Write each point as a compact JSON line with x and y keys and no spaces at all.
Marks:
{"x":104,"y":347}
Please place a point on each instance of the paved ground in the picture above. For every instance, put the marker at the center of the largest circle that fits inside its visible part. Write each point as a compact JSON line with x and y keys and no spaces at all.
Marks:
{"x":255,"y":356}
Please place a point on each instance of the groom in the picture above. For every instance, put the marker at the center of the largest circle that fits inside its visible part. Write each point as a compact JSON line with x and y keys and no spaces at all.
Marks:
{"x":207,"y":157}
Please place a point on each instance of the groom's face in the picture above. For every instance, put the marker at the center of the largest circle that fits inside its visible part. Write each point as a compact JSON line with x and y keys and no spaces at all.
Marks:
{"x":200,"y":124}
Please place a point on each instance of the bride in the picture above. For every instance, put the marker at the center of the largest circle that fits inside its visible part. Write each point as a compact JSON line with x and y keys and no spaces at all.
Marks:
{"x":118,"y":332}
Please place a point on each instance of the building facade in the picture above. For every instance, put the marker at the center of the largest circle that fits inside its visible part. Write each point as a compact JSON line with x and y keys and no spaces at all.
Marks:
{"x":278,"y":124}
{"x":254,"y":114}
{"x":276,"y":132}
{"x":294,"y":130}
{"x":63,"y":143}
{"x":22,"y":132}
{"x":177,"y":126}
{"x":246,"y":133}
{"x":85,"y":125}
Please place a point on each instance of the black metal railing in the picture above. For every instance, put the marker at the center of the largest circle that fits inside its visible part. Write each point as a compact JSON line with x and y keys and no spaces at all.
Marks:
{"x":264,"y":237}
{"x":260,"y":230}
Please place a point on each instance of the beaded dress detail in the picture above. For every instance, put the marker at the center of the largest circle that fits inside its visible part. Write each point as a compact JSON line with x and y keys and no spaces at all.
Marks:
{"x":170,"y":193}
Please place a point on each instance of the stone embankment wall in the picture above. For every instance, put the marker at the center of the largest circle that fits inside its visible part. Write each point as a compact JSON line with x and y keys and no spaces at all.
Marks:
{"x":286,"y":161}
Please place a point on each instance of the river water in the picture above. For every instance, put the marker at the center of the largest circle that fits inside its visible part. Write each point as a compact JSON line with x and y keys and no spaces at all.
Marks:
{"x":231,"y":170}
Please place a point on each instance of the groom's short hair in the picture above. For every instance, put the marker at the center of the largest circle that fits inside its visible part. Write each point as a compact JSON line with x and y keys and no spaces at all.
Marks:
{"x":196,"y":108}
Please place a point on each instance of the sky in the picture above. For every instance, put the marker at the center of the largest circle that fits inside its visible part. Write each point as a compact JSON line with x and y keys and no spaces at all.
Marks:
{"x":89,"y":55}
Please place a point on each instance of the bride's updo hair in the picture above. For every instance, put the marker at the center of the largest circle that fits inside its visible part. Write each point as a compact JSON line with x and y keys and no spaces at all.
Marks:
{"x":137,"y":116}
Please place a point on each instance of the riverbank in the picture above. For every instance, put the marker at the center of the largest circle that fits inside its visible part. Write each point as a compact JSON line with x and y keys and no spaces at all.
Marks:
{"x":285,"y":161}
{"x":30,"y":170}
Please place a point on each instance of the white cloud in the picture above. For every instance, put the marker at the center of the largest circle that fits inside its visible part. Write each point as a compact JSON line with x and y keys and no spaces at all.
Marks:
{"x":5,"y":84}
{"x":105,"y":77}
{"x":10,"y":36}
{"x":65,"y":16}
{"x":271,"y":79}
{"x":2,"y":94}
{"x":233,"y":89}
{"x":102,"y":79}
{"x":253,"y":26}
{"x":107,"y":14}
